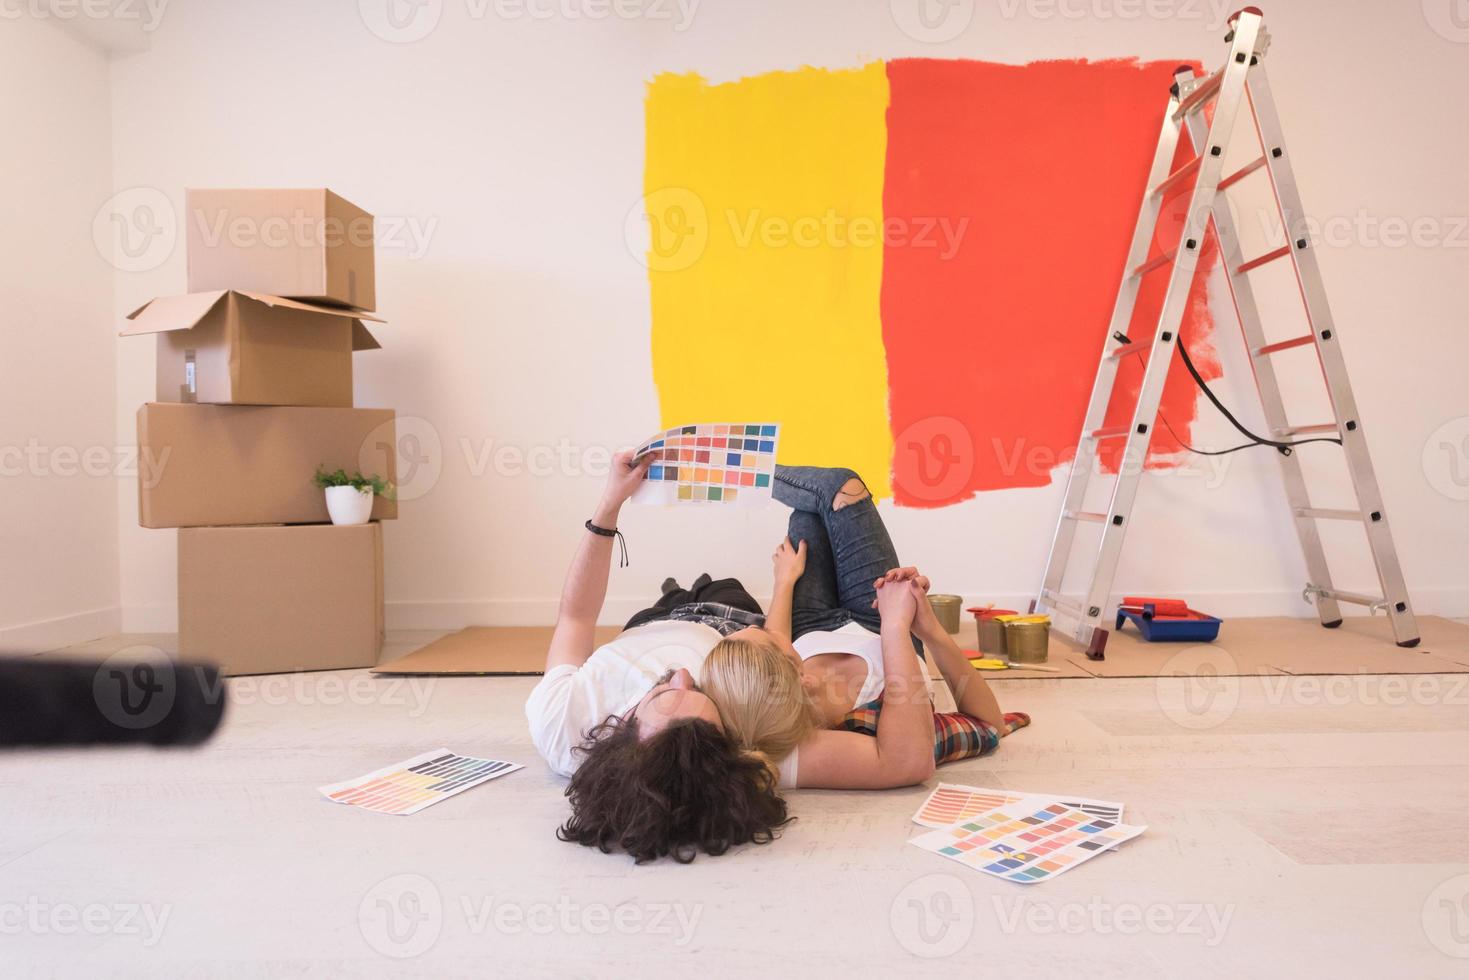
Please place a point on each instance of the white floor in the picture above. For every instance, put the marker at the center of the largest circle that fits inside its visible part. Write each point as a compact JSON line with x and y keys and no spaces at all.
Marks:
{"x":1297,"y":827}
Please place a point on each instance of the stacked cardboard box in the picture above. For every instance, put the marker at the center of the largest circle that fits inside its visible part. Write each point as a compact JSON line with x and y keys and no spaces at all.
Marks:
{"x":254,"y":392}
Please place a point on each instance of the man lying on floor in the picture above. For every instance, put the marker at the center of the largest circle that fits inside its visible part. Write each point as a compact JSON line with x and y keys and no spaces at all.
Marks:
{"x":828,"y":691}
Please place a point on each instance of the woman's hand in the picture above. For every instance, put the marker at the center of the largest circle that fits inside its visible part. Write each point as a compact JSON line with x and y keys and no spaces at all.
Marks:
{"x":789,"y":562}
{"x":896,"y":604}
{"x":925,"y":624}
{"x":905,"y":574}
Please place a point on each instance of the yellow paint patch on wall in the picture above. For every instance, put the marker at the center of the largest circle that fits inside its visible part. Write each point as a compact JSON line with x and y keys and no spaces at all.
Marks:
{"x":764,"y":206}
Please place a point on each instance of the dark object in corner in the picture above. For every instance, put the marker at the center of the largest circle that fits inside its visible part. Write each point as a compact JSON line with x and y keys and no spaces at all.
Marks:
{"x":117,"y":701}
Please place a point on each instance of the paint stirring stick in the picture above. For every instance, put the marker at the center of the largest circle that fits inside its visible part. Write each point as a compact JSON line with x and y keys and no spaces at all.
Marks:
{"x":985,"y":663}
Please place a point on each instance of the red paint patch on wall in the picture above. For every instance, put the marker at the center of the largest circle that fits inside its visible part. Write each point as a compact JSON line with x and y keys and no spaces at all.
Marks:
{"x":1010,"y":197}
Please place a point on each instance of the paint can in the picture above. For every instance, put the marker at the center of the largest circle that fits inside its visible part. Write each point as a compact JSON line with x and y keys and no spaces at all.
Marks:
{"x":991,"y":632}
{"x":1027,"y":639}
{"x":946,"y":610}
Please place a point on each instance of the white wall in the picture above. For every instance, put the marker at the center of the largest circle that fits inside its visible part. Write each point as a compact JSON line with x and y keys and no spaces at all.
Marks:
{"x":524,"y":323}
{"x":58,"y":538}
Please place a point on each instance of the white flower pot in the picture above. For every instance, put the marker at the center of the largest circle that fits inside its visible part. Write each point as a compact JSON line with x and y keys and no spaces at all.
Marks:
{"x":348,"y":505}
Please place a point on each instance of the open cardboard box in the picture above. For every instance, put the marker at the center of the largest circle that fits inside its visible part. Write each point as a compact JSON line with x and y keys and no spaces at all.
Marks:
{"x":303,"y":243}
{"x":212,"y":465}
{"x":234,"y":347}
{"x":265,"y":600}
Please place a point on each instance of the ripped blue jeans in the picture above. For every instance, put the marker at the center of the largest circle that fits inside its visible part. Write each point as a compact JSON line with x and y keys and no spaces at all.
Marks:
{"x":846,"y":551}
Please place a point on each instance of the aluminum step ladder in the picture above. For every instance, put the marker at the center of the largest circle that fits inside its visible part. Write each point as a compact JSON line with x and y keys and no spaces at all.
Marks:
{"x":1240,"y":85}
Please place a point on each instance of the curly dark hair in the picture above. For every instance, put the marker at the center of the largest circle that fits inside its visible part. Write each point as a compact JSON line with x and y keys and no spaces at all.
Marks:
{"x":685,"y":789}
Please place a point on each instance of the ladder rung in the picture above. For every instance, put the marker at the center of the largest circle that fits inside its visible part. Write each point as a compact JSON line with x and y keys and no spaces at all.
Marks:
{"x":1111,"y":433}
{"x":1200,"y":95}
{"x":1267,"y":257}
{"x":1329,"y":514}
{"x":1308,"y":430}
{"x":1179,"y":176}
{"x":1161,"y":259}
{"x":1284,"y":345}
{"x":1061,"y":602}
{"x":1357,"y":597}
{"x":1241,"y":173}
{"x":1086,"y":515}
{"x":1128,"y":349}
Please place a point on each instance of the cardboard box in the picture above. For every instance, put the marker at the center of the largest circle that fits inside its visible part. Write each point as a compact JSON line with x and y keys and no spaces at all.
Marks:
{"x":263,"y":600}
{"x":234,"y":348}
{"x":212,"y":465}
{"x":307,"y":244}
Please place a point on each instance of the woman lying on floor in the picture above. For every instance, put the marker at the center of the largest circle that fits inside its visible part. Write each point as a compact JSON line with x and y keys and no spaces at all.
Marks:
{"x":658,"y":768}
{"x":834,"y":658}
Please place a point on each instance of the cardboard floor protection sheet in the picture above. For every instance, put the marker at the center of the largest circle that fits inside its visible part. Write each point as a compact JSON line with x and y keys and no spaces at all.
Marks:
{"x":1280,"y":645}
{"x":484,"y":650}
{"x":1245,"y":647}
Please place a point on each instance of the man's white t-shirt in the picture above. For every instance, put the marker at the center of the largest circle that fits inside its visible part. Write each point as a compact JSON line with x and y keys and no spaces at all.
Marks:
{"x":570,"y":700}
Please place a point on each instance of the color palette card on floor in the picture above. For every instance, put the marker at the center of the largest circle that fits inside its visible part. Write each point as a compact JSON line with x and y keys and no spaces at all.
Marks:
{"x":419,"y":782}
{"x":951,"y":803}
{"x":1026,"y":843}
{"x":715,"y":463}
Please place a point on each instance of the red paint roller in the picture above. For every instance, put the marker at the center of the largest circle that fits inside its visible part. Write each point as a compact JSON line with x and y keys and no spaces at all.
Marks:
{"x":1162,"y":608}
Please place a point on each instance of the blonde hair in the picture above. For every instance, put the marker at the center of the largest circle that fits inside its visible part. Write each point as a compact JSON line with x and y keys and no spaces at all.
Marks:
{"x":757,"y":689}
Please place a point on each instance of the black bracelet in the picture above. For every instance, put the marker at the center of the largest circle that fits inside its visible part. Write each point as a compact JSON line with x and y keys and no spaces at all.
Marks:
{"x":611,"y":533}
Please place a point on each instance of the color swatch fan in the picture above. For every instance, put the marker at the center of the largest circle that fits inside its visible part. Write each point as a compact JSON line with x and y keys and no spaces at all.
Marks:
{"x":1026,"y":841}
{"x":715,"y":463}
{"x":952,"y":803}
{"x":416,"y":783}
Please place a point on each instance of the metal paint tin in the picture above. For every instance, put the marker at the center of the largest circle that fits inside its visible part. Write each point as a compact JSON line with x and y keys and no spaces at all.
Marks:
{"x":1027,"y":639}
{"x":946,"y":610}
{"x":990,"y":636}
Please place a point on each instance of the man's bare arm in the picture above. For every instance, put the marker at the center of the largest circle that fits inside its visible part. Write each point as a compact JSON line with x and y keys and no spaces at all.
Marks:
{"x":585,"y":589}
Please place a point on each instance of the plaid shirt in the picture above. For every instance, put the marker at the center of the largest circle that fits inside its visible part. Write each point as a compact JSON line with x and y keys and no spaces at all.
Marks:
{"x":955,"y":735}
{"x":724,"y":618}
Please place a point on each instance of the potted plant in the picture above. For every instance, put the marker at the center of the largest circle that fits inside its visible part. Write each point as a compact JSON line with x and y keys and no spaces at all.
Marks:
{"x":349,"y":498}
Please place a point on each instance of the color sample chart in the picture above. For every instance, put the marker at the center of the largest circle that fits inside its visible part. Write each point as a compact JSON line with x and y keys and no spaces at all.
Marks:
{"x":714,"y":463}
{"x":1025,"y":843}
{"x":951,"y":803}
{"x":419,"y":782}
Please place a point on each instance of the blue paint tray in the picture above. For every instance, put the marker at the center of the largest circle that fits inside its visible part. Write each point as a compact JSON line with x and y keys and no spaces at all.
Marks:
{"x":1196,"y":627}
